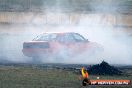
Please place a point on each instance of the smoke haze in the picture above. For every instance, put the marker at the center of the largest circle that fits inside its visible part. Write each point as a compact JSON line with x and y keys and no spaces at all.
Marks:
{"x":96,"y":27}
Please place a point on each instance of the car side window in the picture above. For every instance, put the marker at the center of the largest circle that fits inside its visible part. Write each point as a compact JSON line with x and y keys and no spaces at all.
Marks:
{"x":69,"y":38}
{"x":65,"y":38}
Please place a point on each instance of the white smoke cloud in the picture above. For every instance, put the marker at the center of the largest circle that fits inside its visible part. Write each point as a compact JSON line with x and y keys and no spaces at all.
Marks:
{"x":96,"y":27}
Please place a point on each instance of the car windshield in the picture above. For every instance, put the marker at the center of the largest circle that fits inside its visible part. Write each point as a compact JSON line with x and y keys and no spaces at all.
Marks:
{"x":45,"y":37}
{"x":78,"y":37}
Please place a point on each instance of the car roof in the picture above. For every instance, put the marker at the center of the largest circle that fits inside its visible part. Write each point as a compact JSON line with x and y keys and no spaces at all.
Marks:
{"x":60,"y":33}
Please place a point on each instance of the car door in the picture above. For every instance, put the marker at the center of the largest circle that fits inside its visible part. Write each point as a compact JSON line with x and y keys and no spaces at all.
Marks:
{"x":71,"y":44}
{"x":81,"y":44}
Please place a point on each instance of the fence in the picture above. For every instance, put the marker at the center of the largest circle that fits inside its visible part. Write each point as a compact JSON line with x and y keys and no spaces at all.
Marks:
{"x":66,"y":18}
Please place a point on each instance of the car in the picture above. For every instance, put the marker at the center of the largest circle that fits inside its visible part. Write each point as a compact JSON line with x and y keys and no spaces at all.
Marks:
{"x":67,"y":44}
